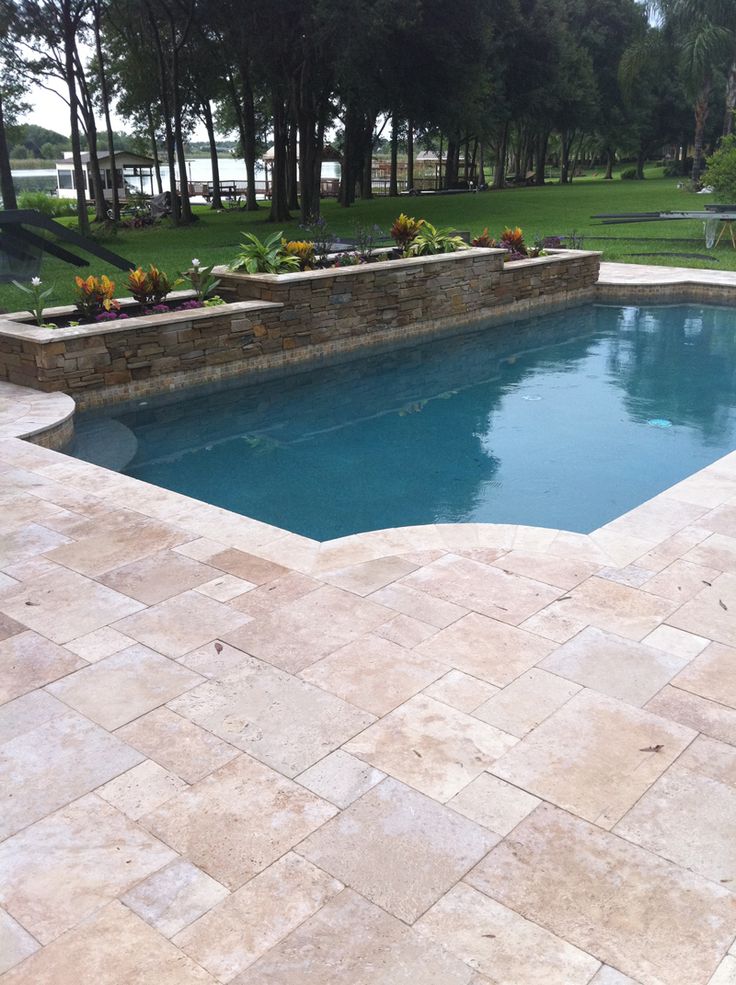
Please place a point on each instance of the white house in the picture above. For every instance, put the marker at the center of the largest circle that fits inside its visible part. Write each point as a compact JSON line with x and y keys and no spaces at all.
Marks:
{"x":134,"y":174}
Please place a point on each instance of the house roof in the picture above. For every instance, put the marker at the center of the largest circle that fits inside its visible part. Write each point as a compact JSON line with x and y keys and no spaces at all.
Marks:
{"x":122,"y":159}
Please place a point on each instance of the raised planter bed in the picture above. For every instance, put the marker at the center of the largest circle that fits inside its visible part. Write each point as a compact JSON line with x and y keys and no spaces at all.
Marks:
{"x":274,"y":321}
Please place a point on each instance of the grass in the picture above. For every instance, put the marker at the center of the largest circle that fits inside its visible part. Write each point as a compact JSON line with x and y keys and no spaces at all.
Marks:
{"x":550,"y":210}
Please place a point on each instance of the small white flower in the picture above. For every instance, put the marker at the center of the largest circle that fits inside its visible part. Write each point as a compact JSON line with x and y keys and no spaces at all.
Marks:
{"x":35,"y":281}
{"x":195,"y":263}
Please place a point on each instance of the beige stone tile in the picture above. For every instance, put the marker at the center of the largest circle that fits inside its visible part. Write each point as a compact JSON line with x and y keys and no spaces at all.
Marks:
{"x":214,"y":659}
{"x":114,"y":947}
{"x":500,"y":943}
{"x":632,"y":575}
{"x":658,"y":519}
{"x":706,"y":488}
{"x":99,"y":644}
{"x":418,"y":605}
{"x":380,"y":846}
{"x":119,"y":688}
{"x":721,"y":520}
{"x":613,"y":607}
{"x":673,"y":548}
{"x":182,"y":623}
{"x":482,"y":587}
{"x":234,"y":934}
{"x":10,"y":627}
{"x":621,"y":668}
{"x":406,"y":631}
{"x":487,"y":649}
{"x":66,"y":605}
{"x":711,"y":758}
{"x":113,"y":546}
{"x":340,"y":778}
{"x":556,"y":571}
{"x":33,"y":568}
{"x":50,"y":758}
{"x":27,"y":542}
{"x":609,"y":976}
{"x":461,"y":691}
{"x":225,"y":588}
{"x":526,"y":702}
{"x":28,"y":712}
{"x":273,"y":595}
{"x":716,"y":551}
{"x":725,"y":972}
{"x":431,"y":746}
{"x":596,"y":891}
{"x":552,"y":623}
{"x":493,"y":803}
{"x":174,"y":897}
{"x":695,"y":712}
{"x":219,"y":822}
{"x":234,"y":562}
{"x":28,"y":661}
{"x":420,"y":558}
{"x":374,"y":674}
{"x":688,"y":818}
{"x":158,"y":577}
{"x":676,"y":641}
{"x":23,"y":509}
{"x":712,"y":675}
{"x":16,"y":944}
{"x":308,"y":629}
{"x":370,"y":575}
{"x":44,"y":886}
{"x":711,"y":613}
{"x":591,"y":757}
{"x":141,"y":789}
{"x":177,"y":744}
{"x":278,"y":719}
{"x":681,"y":580}
{"x":351,"y":942}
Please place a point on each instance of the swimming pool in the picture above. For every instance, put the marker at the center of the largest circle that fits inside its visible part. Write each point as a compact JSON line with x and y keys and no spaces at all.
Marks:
{"x":564,"y":420}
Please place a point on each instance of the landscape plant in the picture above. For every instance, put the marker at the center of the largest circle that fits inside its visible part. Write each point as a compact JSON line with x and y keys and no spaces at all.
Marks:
{"x":201,"y":279}
{"x":149,"y":287}
{"x":721,"y":169}
{"x":95,"y":296}
{"x":303,"y":250}
{"x":404,"y":231}
{"x":37,"y":296}
{"x":264,"y":256}
{"x":429,"y":240}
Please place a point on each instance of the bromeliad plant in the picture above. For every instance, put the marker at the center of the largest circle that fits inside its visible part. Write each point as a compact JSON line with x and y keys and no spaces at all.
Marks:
{"x":96,"y":296}
{"x":37,"y":297}
{"x":201,"y":280}
{"x":484,"y":239}
{"x":149,"y":287}
{"x":429,"y":241}
{"x":264,"y":256}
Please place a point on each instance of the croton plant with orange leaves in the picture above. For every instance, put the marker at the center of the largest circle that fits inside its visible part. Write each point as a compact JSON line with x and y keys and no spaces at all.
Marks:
{"x":95,"y":295}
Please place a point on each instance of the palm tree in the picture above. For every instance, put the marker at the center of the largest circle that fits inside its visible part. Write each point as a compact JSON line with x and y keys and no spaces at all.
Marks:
{"x":704,"y":33}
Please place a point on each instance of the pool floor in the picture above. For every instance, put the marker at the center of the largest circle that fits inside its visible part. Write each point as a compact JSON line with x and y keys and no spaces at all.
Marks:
{"x":565,"y":420}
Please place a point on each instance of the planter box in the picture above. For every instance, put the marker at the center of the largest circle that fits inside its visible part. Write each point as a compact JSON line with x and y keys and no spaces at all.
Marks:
{"x":274,"y":322}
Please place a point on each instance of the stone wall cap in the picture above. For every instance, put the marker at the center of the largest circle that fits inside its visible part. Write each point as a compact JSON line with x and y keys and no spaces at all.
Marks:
{"x":13,"y":326}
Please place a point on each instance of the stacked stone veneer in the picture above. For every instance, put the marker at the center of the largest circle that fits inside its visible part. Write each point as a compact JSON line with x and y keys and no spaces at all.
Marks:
{"x":275,"y":322}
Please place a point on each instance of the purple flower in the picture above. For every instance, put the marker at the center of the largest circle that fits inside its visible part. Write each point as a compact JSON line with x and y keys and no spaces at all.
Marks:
{"x":160,"y":309}
{"x":191,"y":304}
{"x":107,"y":316}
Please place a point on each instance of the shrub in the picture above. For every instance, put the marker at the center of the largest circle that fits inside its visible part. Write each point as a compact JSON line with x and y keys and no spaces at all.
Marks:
{"x":264,"y":257}
{"x":485,"y":239}
{"x":302,"y":249}
{"x":95,"y":295}
{"x":404,"y":230}
{"x":46,"y":204}
{"x":629,"y":174}
{"x":429,"y":241}
{"x":149,"y":286}
{"x":513,"y":240}
{"x":721,"y":169}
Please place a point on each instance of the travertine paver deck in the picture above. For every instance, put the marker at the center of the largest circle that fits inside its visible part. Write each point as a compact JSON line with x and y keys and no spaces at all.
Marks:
{"x":444,"y":755}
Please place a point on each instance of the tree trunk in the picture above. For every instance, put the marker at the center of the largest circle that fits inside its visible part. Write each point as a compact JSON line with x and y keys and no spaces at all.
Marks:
{"x":69,"y":68}
{"x":410,"y":155}
{"x":565,"y":145}
{"x":209,"y":124}
{"x":610,"y":154}
{"x":249,"y":133}
{"x":640,"y":161}
{"x":105,"y":98}
{"x":279,"y":201}
{"x":154,"y":153}
{"x":292,"y":188}
{"x":7,"y":189}
{"x":728,"y":120}
{"x":94,"y":171}
{"x":499,"y":174}
{"x":541,"y":142}
{"x":481,"y":166}
{"x":701,"y":118}
{"x":451,"y":165}
{"x":393,"y":181}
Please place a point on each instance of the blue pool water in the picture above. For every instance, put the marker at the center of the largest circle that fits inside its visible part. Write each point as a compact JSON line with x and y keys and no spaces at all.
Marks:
{"x":565,"y":420}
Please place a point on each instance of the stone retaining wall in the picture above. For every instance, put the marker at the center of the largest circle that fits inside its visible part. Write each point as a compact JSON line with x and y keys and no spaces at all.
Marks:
{"x":276,"y":322}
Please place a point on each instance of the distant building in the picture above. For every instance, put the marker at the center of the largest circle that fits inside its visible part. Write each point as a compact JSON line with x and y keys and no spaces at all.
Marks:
{"x":134,"y":174}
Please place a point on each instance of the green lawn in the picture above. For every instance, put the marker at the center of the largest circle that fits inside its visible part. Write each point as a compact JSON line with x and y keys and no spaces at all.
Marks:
{"x":550,"y":210}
